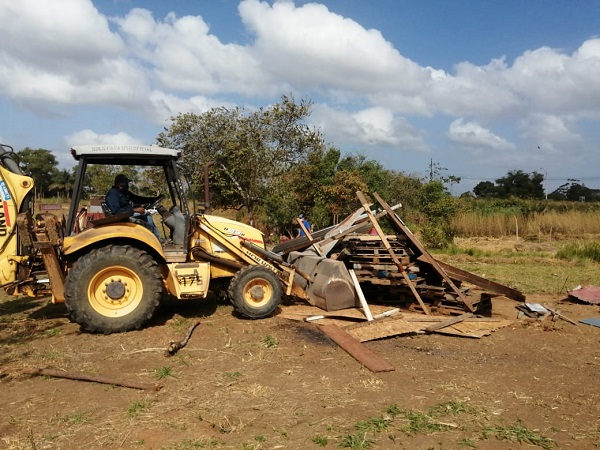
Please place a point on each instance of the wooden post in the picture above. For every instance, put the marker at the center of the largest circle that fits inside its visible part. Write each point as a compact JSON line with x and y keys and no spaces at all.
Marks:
{"x":424,"y":252}
{"x":361,"y":296}
{"x":387,"y":245}
{"x":309,"y":236}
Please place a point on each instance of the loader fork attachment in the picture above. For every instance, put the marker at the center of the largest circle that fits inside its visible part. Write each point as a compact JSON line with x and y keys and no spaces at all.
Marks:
{"x":45,"y":235}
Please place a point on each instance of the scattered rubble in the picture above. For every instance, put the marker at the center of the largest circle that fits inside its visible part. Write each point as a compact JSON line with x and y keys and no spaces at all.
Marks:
{"x":386,"y":270}
{"x":587,"y":294}
{"x":393,"y":269}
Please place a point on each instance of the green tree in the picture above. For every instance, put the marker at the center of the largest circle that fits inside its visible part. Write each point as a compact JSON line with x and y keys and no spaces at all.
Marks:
{"x":301,"y":190}
{"x":373,"y":174}
{"x":41,"y":165}
{"x":252,"y":149}
{"x":406,"y":189}
{"x":572,"y":190}
{"x":515,"y":183}
{"x":437,"y":172}
{"x":520,"y":184}
{"x":486,"y":189}
{"x":326,"y":184}
{"x":438,"y":206}
{"x":100,"y":178}
{"x":339,"y":198}
{"x":62,"y":183}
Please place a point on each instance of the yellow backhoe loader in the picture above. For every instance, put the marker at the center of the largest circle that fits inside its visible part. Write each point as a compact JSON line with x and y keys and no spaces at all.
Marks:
{"x":111,"y":272}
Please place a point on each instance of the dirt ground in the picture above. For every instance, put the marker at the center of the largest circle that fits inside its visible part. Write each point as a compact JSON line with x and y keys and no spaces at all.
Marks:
{"x":282,"y":384}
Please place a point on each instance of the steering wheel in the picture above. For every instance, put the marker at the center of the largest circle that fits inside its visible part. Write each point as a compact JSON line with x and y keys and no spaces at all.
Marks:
{"x":155,"y":204}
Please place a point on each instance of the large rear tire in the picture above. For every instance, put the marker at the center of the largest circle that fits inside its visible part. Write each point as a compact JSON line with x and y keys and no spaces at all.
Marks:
{"x":113,"y":289}
{"x":255,"y":292}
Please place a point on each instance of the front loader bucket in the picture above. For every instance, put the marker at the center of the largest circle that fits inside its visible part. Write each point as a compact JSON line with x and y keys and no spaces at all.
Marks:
{"x":331,"y":287}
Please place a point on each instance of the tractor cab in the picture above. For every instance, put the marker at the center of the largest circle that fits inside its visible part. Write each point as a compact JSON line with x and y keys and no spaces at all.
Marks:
{"x":157,"y":166}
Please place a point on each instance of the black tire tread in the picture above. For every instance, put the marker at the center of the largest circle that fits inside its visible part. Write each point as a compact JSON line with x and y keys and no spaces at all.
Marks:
{"x":76,"y":295}
{"x":236,"y":286}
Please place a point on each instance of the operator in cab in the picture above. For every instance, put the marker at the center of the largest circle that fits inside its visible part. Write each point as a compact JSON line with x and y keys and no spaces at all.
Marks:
{"x":119,"y":199}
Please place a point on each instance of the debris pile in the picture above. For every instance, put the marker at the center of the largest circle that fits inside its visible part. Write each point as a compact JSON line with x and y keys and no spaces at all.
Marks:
{"x":393,"y":269}
{"x":356,"y":264}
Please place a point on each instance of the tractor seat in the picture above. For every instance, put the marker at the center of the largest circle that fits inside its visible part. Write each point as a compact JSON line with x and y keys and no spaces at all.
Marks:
{"x":109,"y":217}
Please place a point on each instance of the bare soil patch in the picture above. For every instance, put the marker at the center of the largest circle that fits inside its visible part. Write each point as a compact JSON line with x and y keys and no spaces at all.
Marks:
{"x":276,"y":383}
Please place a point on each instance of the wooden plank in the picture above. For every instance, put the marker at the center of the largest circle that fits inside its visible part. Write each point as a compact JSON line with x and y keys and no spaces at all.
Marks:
{"x":356,"y":349}
{"x":447,"y":322}
{"x":340,"y":228}
{"x":384,"y":328}
{"x":361,"y":296}
{"x":309,"y":236}
{"x":441,"y":319}
{"x":387,"y":245}
{"x":50,"y":207}
{"x":54,"y":270}
{"x":379,"y":329}
{"x":423,"y":251}
{"x":360,"y":224}
{"x":463,"y":275}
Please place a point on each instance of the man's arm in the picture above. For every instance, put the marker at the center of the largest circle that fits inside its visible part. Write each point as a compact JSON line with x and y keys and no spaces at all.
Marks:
{"x":139,"y":200}
{"x":117,"y":202}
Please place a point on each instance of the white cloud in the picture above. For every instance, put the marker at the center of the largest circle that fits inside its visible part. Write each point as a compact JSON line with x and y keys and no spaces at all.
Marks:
{"x":63,"y":52}
{"x":369,"y":128}
{"x":554,"y":135}
{"x":557,"y":83}
{"x":471,"y":134}
{"x":165,"y":106}
{"x":313,"y":48}
{"x":88,"y":137}
{"x":474,"y":90}
{"x":185,"y":57}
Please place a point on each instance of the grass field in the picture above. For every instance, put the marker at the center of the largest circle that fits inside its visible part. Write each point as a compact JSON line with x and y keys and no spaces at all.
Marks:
{"x":529,"y":266}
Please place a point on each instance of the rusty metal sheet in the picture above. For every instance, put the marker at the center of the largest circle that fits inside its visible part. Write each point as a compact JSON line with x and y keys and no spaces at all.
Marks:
{"x":587,"y":294}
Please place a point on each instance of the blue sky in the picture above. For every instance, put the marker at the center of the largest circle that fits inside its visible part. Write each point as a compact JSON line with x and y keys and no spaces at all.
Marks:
{"x":477,"y":87}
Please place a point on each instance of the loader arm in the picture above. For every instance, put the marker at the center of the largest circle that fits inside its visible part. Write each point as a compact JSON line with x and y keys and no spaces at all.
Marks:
{"x":16,"y":191}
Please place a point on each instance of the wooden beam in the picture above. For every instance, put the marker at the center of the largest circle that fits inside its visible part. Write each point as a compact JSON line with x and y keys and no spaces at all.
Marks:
{"x":309,"y":236}
{"x":448,"y":322}
{"x":388,"y":247}
{"x":328,"y":237}
{"x":361,"y":296}
{"x":337,"y":234}
{"x":463,"y":275}
{"x":424,"y":252}
{"x":356,"y":349}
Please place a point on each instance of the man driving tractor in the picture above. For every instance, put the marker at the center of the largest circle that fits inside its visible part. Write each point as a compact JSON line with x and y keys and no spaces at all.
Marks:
{"x":120,"y":199}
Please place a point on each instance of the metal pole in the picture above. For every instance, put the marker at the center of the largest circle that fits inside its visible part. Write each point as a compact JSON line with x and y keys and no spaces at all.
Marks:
{"x":206,"y":187}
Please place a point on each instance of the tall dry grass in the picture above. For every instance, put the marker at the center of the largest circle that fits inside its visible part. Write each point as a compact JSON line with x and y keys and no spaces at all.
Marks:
{"x":544,"y":224}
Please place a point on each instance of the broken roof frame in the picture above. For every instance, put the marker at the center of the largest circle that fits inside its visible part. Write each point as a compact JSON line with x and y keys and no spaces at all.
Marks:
{"x":324,"y":240}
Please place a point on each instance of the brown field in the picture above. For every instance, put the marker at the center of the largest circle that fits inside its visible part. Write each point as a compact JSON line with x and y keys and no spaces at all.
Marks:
{"x":281,"y":384}
{"x":546,"y":226}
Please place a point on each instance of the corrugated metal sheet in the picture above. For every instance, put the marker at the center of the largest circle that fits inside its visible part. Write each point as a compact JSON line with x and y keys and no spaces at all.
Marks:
{"x":587,"y":294}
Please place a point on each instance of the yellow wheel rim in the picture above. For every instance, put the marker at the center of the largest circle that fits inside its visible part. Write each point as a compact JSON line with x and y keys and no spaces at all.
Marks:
{"x":115,"y":291}
{"x":258,"y":292}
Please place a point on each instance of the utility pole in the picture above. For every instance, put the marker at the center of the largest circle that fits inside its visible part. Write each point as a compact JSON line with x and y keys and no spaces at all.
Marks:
{"x":545,"y":179}
{"x":431,"y":169}
{"x":545,"y":182}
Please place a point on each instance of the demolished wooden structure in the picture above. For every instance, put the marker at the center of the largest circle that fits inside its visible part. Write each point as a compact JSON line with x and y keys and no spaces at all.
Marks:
{"x":394,"y":270}
{"x":400,"y":323}
{"x":397,"y":269}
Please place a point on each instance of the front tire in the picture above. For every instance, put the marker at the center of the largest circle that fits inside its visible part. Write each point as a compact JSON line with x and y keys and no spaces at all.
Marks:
{"x":113,"y":289}
{"x":255,"y":292}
